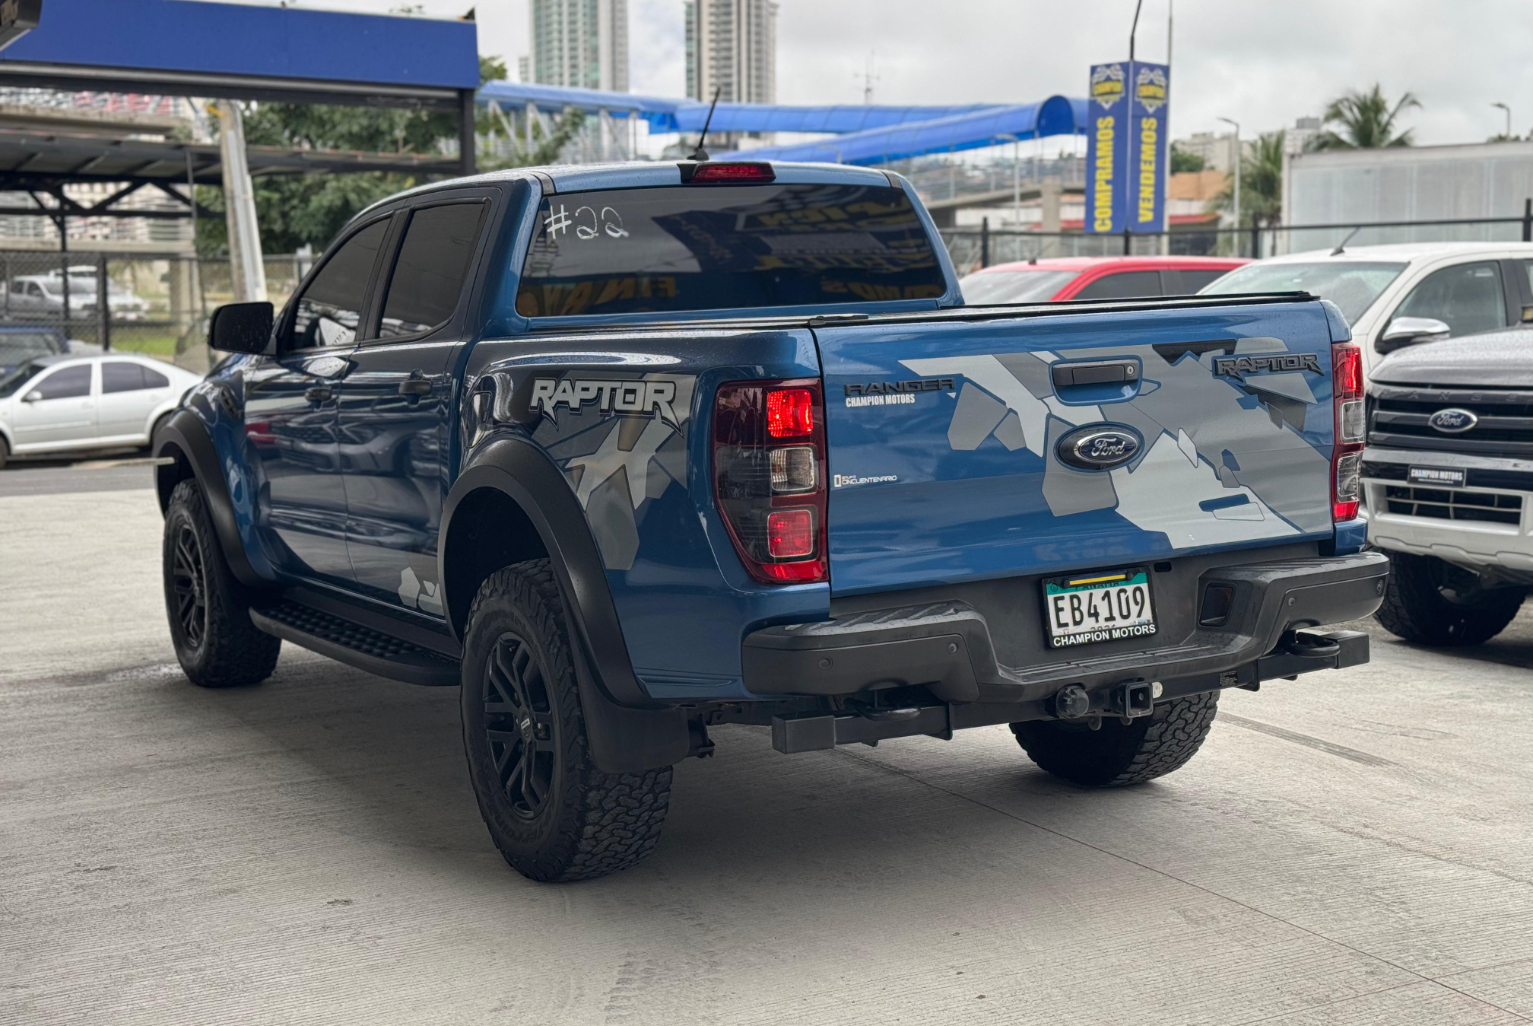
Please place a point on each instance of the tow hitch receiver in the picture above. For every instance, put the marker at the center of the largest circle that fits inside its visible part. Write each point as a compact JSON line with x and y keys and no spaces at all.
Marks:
{"x":1132,"y":699}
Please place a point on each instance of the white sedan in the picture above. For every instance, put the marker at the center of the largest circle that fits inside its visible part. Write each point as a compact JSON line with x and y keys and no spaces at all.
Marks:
{"x":67,"y":403}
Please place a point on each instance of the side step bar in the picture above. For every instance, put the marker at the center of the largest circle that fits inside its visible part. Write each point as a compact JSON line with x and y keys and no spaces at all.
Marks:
{"x":354,"y":644}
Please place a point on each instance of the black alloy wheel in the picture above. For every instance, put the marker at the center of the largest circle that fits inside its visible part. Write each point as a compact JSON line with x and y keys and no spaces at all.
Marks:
{"x":190,"y":579}
{"x":520,"y":725}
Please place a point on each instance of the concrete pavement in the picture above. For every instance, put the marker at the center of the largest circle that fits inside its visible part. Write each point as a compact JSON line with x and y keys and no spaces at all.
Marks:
{"x":1353,"y":847}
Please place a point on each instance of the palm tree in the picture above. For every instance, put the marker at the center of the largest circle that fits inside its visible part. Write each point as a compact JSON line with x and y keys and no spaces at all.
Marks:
{"x":1261,"y":182}
{"x":1366,"y":121}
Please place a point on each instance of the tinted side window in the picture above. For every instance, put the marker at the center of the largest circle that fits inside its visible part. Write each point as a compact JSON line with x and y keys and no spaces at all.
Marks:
{"x":1194,"y":280}
{"x":1467,"y":298}
{"x":154,"y":379}
{"x":330,"y":309}
{"x":1123,"y":285}
{"x":121,"y":376}
{"x":69,"y":383}
{"x":432,"y":267}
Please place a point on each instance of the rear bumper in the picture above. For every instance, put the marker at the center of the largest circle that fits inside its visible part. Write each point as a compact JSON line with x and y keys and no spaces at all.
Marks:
{"x":948,"y":646}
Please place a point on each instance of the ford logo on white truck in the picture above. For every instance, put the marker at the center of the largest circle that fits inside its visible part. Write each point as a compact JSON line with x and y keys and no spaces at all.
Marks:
{"x":1453,"y":421}
{"x":1099,"y":447}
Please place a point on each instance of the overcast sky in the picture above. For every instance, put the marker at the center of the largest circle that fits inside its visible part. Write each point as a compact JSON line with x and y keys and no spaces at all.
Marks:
{"x":1262,"y":62}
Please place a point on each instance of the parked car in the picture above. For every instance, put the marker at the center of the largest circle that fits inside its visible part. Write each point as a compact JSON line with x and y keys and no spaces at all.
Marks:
{"x":1403,"y":294}
{"x":1120,"y":277}
{"x":20,"y":343}
{"x":68,"y":403}
{"x":634,"y":450}
{"x":44,"y":293}
{"x":1449,"y":492}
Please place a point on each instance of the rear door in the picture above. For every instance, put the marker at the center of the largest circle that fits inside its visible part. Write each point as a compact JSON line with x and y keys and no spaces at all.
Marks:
{"x":129,"y":392}
{"x":396,"y":402}
{"x":946,"y":440}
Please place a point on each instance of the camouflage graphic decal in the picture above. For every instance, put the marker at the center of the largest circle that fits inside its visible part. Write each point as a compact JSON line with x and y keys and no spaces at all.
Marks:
{"x":621,"y":441}
{"x":1223,"y":459}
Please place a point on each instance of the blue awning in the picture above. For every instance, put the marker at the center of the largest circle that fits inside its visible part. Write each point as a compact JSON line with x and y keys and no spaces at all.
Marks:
{"x":989,"y":126}
{"x":686,"y":115}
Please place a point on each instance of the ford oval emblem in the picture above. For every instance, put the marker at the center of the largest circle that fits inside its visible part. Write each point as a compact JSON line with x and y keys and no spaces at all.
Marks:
{"x":1099,"y":446}
{"x":1453,"y":421}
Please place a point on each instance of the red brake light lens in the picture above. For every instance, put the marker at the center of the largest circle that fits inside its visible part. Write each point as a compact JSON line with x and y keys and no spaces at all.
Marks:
{"x":738,"y":172}
{"x":1348,"y":360}
{"x":790,"y":412}
{"x":790,"y":533}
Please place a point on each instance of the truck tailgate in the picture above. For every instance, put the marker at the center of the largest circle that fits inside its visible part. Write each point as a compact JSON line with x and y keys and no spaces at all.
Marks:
{"x":946,"y":440}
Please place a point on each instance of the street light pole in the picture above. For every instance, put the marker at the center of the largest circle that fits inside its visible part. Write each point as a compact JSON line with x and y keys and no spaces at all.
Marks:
{"x":1508,"y":132}
{"x":1239,"y":159}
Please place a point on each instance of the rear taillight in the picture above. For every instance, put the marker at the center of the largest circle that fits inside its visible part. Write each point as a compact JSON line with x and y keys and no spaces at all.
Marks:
{"x":1347,"y":455}
{"x":769,"y":477}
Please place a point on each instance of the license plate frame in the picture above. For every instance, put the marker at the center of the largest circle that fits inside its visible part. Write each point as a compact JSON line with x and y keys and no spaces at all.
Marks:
{"x":1099,"y":589}
{"x":1436,"y":477}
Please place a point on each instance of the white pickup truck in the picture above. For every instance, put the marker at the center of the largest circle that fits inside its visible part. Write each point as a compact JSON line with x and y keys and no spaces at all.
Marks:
{"x":1398,"y":295}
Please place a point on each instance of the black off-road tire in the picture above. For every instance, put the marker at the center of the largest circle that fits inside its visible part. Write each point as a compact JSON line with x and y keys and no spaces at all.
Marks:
{"x":552,"y":813}
{"x":208,"y":610}
{"x":1422,"y":606}
{"x":1120,"y":754}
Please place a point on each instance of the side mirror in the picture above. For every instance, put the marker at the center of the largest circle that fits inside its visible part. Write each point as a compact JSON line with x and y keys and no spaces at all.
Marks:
{"x":1407,"y":331}
{"x":32,"y":397}
{"x":241,"y":327}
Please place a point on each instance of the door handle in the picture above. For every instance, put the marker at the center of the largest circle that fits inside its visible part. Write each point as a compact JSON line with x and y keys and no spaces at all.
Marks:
{"x":1095,"y":372}
{"x":415,"y":385}
{"x":318,"y":393}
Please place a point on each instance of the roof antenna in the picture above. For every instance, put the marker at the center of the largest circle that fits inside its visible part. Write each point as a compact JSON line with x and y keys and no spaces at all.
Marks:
{"x":699,"y":153}
{"x":1342,"y":245}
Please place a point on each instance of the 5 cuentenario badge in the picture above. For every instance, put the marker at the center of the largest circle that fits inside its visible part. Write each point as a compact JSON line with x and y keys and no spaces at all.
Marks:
{"x":1126,"y":147}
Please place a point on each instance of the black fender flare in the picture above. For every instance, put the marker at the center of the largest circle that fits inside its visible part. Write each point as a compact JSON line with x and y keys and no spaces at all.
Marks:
{"x":627,"y":730}
{"x":184,"y":437}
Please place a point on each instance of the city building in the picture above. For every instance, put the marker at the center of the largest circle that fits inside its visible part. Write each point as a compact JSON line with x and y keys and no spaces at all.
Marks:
{"x":579,"y":43}
{"x":1216,"y":149}
{"x":732,"y":48}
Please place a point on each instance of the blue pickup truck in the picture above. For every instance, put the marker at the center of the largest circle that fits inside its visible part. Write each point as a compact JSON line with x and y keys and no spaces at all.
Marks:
{"x":632,"y":451}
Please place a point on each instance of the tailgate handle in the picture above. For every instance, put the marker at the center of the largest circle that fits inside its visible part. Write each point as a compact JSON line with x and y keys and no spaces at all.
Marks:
{"x":1094,"y":372}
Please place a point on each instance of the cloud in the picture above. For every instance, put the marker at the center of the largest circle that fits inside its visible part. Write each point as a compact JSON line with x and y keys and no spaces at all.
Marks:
{"x":1262,"y":62}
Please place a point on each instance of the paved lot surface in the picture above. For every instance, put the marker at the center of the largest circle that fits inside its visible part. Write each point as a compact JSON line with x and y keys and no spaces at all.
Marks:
{"x":1349,"y":848}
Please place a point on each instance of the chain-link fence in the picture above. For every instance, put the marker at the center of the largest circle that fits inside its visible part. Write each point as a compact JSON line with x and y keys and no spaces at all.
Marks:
{"x":156,"y":304}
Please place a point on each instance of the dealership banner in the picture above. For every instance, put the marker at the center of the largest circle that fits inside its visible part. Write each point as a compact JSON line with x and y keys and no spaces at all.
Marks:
{"x":1126,"y":147}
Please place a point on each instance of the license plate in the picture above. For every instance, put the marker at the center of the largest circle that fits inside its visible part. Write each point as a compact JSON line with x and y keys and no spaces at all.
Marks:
{"x":1443,"y":477}
{"x":1105,"y":605}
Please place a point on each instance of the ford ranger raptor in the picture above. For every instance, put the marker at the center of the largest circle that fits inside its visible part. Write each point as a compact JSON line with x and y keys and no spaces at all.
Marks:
{"x":627,"y":452}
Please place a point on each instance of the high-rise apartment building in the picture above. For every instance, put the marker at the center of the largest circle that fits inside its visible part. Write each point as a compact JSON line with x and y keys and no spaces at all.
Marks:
{"x":732,"y":48}
{"x":581,"y":43}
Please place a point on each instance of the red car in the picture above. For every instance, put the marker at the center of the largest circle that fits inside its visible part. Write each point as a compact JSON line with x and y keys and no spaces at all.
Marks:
{"x":1122,"y":277}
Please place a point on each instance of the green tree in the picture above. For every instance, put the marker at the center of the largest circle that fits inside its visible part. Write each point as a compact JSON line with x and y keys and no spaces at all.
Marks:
{"x":1182,"y":160}
{"x":1365,"y":120}
{"x":1261,"y":182}
{"x":298,"y":210}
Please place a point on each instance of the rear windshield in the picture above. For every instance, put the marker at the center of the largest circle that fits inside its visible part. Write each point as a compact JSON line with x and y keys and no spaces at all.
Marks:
{"x":1013,"y":286}
{"x":716,"y":247}
{"x":1352,"y":285}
